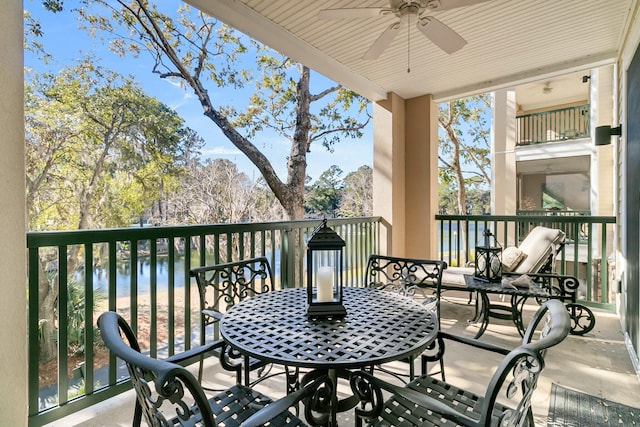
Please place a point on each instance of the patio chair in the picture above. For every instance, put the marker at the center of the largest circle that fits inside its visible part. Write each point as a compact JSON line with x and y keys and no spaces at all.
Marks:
{"x":535,"y":257}
{"x":428,"y":401}
{"x":168,"y":394}
{"x":223,"y":285}
{"x":415,"y":278}
{"x":535,"y":254}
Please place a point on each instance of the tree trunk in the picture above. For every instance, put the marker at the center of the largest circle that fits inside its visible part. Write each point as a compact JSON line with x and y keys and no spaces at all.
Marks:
{"x":47,"y":296}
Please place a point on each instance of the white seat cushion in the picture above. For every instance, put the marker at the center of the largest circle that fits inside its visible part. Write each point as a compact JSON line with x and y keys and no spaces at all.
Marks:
{"x":538,"y":245}
{"x":454,"y":276}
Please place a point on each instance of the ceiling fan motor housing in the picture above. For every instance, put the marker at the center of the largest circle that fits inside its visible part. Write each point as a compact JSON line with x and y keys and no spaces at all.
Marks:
{"x":413,"y":7}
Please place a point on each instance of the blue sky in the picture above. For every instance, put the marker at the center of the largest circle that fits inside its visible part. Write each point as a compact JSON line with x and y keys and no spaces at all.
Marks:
{"x":66,"y":43}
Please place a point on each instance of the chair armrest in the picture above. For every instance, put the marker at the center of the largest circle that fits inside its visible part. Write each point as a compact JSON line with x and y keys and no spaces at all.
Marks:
{"x":475,"y":343}
{"x":185,"y":356}
{"x":212,"y":313}
{"x":280,"y":406}
{"x":563,"y":286}
{"x":418,"y":398}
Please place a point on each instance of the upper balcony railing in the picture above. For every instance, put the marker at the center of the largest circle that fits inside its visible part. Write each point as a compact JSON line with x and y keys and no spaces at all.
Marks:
{"x":554,"y":125}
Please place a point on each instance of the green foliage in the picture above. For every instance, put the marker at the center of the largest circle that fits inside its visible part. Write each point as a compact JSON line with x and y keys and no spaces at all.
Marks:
{"x":99,"y":151}
{"x":357,"y":195}
{"x":196,"y":50}
{"x":464,"y":154}
{"x":324,"y":195}
{"x":76,"y":321}
{"x":332,"y":196}
{"x":53,"y":5}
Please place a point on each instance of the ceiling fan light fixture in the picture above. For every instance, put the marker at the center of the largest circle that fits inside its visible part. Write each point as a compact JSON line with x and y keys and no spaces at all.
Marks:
{"x":437,"y":32}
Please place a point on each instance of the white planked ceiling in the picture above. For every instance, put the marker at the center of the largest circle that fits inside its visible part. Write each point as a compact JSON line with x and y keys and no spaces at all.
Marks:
{"x":509,"y":42}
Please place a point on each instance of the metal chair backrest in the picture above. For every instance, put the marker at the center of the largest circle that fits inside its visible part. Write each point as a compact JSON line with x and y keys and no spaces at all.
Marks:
{"x":517,"y":375}
{"x":223,"y":285}
{"x":411,"y":277}
{"x":163,"y":389}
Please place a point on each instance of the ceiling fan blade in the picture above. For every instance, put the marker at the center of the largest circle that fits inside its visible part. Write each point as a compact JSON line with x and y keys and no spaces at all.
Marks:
{"x":437,"y":5}
{"x":441,"y":35}
{"x":354,"y":12}
{"x":383,"y":41}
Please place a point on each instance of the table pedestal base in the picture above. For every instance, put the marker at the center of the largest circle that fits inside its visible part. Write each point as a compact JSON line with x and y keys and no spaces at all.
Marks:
{"x":322,"y":407}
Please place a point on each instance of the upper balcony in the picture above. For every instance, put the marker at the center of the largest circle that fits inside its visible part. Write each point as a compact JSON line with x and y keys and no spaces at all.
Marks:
{"x":553,"y":125}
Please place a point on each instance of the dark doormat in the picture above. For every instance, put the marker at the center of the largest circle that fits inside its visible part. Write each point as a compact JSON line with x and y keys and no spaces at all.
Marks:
{"x":575,"y":409}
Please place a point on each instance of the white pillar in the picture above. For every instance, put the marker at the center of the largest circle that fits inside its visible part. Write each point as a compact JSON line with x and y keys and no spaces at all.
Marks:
{"x":13,"y":303}
{"x":503,"y":167}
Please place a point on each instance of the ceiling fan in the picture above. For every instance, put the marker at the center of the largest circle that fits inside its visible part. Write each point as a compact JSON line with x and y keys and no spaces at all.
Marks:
{"x":408,"y":11}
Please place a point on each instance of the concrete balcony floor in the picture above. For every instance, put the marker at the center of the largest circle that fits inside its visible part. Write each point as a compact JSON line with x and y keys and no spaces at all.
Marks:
{"x":597,"y":363}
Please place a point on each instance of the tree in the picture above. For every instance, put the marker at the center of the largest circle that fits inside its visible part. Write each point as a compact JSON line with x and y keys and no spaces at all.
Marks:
{"x":216,"y":192}
{"x":464,"y":148}
{"x":98,"y":150}
{"x":357,"y":193}
{"x":324,"y":195}
{"x":197,"y":50}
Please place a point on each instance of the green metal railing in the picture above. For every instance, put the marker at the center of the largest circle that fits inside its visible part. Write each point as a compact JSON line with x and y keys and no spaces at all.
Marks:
{"x":555,"y":125}
{"x":586,"y":257}
{"x":581,"y":236}
{"x":143,"y":273}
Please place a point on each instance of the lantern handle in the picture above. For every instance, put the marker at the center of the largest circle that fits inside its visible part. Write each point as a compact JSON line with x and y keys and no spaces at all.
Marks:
{"x":318,"y":228}
{"x":487,"y":234}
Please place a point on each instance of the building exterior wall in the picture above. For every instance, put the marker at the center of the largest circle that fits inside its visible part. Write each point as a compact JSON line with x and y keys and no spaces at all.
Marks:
{"x":603,"y":94}
{"x":627,"y":149}
{"x":13,"y":304}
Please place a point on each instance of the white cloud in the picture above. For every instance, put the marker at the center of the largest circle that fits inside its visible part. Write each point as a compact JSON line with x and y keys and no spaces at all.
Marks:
{"x":221,"y":151}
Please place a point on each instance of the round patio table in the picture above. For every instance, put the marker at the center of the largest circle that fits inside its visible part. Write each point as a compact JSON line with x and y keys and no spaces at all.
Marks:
{"x":379,"y":327}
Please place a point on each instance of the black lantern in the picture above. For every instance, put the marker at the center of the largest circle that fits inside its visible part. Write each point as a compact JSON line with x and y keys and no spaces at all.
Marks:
{"x":325,"y":255}
{"x":488,"y":266}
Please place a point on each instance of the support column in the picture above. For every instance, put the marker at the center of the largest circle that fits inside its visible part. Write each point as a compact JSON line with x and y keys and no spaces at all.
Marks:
{"x":13,"y":304}
{"x":388,"y":164}
{"x":421,"y":177}
{"x":405,"y":173}
{"x":602,"y":162}
{"x":503,"y":167}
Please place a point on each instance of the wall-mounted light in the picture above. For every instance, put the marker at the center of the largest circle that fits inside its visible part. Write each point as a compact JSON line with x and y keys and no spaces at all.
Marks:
{"x":585,"y":79}
{"x":604,"y":134}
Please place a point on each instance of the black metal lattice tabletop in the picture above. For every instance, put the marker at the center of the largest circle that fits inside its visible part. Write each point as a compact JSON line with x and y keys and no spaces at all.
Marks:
{"x":379,"y":327}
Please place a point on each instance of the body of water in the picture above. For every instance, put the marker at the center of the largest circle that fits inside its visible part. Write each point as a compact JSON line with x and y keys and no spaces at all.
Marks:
{"x":123,"y":275}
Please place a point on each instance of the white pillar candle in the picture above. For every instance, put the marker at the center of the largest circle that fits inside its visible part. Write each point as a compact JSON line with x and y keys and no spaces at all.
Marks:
{"x":324,"y":282}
